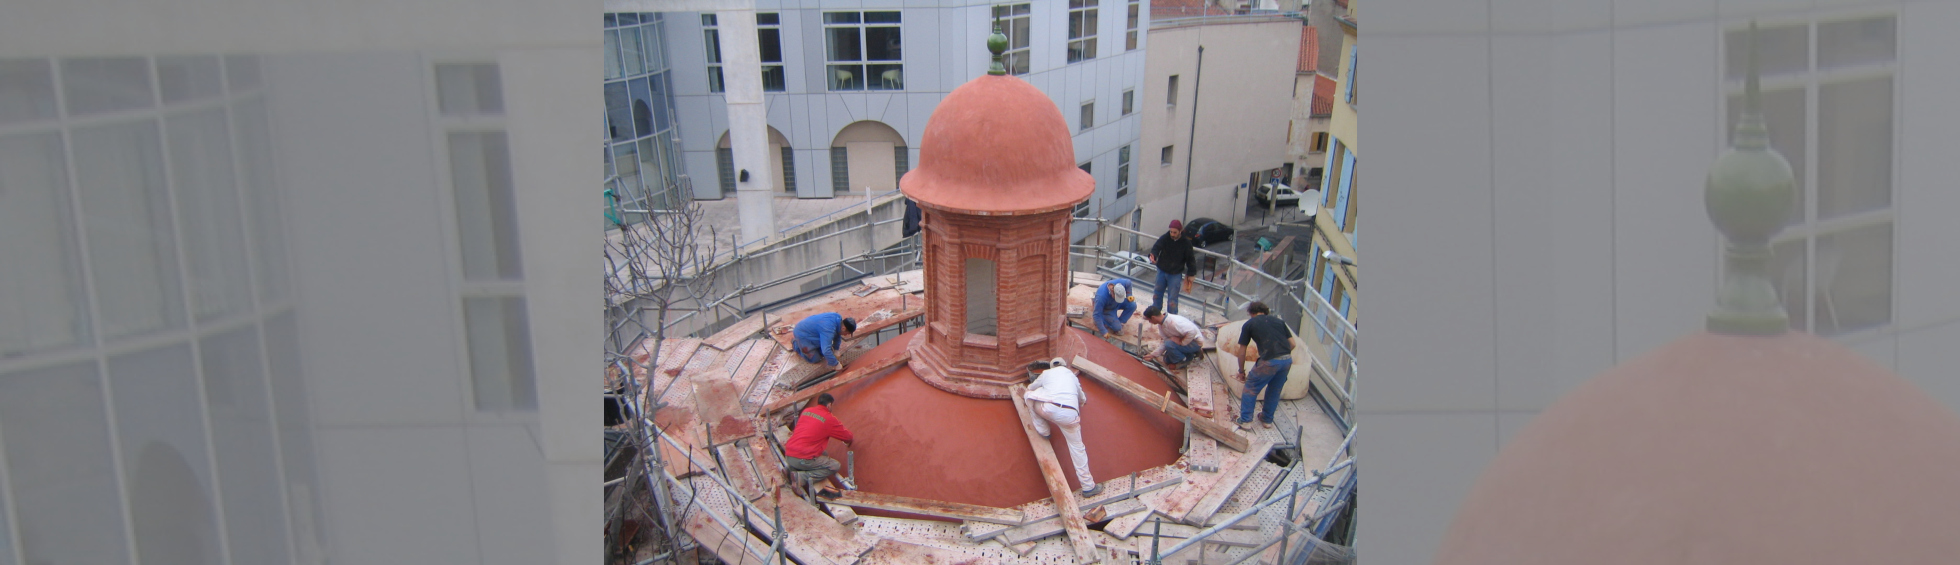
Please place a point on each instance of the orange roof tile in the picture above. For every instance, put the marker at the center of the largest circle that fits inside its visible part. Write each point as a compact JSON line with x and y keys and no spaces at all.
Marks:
{"x":1309,"y":49}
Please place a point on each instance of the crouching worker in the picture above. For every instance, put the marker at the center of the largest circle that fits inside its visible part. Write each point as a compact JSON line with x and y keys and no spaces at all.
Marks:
{"x":804,"y":450}
{"x":817,"y":338}
{"x":1182,"y":341}
{"x":1113,"y":307}
{"x":1056,"y":398}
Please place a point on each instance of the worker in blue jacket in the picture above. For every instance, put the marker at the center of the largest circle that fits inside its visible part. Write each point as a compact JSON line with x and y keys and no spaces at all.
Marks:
{"x":1113,"y":307}
{"x":818,"y":336}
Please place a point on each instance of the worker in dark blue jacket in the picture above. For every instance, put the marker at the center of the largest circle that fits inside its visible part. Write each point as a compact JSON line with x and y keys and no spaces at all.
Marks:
{"x":818,"y":336}
{"x":1113,"y":307}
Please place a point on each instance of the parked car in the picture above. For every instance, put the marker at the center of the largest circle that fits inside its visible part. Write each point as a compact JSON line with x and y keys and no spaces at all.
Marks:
{"x":1131,"y":265}
{"x":1208,"y":231}
{"x":1270,"y":192}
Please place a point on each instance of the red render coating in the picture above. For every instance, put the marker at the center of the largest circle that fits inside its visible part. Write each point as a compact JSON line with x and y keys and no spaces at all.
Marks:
{"x":916,"y":440}
{"x":1723,"y":449}
{"x":997,"y":146}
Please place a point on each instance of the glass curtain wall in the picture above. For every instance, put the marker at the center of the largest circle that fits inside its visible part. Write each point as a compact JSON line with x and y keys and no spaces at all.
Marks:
{"x":642,"y":157}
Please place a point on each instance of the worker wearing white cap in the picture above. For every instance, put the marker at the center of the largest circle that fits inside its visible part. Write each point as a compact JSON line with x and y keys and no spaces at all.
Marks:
{"x":1056,"y":398}
{"x":1113,"y":307}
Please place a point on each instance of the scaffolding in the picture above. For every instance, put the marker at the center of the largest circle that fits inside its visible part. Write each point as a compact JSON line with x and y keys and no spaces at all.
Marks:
{"x":656,"y":516}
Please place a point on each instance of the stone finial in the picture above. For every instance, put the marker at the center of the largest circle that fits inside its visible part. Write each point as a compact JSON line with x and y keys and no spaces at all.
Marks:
{"x":1749,"y":195}
{"x":997,"y":43}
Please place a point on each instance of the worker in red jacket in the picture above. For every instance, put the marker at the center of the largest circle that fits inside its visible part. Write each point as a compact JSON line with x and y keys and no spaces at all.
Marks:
{"x":804,"y":450}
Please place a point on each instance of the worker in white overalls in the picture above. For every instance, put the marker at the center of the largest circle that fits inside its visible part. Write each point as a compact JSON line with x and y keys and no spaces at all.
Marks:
{"x":1056,"y":397}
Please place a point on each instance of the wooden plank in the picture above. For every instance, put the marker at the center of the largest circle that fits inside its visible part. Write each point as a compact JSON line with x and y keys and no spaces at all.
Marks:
{"x":1051,"y":471}
{"x":733,"y":335}
{"x":1199,"y":496}
{"x":1203,"y":455}
{"x":1031,"y":532}
{"x":720,"y":406}
{"x":725,"y":544}
{"x":847,"y":378}
{"x":976,"y":531}
{"x":1225,"y":434}
{"x":941,"y":509}
{"x":1124,"y":526}
{"x":1198,"y":376}
{"x":872,"y":328}
{"x":813,"y":537}
{"x":735,"y":467}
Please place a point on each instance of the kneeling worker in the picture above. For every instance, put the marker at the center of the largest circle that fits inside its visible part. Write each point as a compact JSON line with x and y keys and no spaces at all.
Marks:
{"x":1056,"y":397}
{"x":818,"y":336}
{"x":804,"y":450}
{"x":1182,"y":340}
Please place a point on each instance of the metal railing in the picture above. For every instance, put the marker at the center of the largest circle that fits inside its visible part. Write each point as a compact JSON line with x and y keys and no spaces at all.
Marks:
{"x":1320,"y":325}
{"x":1289,"y":526}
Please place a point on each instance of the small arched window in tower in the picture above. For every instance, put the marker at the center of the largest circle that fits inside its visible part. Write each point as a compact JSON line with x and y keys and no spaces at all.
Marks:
{"x":981,"y":317}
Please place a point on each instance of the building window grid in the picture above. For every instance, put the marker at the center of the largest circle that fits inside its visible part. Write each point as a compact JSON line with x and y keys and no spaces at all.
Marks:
{"x":1817,"y":250}
{"x":644,"y":131}
{"x":1166,"y":158}
{"x":711,"y":39}
{"x":840,"y":170}
{"x":1088,"y":117}
{"x":1170,"y":92}
{"x":1123,"y":171}
{"x":769,"y":36}
{"x":1129,"y":101}
{"x":1130,"y":36}
{"x":1082,"y":30}
{"x":1014,"y":23}
{"x":1082,"y":208}
{"x":863,"y":51}
{"x":491,"y":293}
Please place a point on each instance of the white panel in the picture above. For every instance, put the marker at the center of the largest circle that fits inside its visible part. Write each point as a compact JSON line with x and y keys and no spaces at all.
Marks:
{"x":1452,"y":324}
{"x":1629,"y":14}
{"x":1523,"y":205}
{"x":414,"y":478}
{"x":1432,"y":459}
{"x":367,"y":333}
{"x":513,"y":512}
{"x":1664,"y":246}
{"x":1926,"y":273}
{"x":1579,"y":185}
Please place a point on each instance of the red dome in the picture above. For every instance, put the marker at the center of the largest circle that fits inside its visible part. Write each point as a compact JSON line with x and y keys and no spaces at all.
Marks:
{"x":1723,"y":449}
{"x":997,"y":146}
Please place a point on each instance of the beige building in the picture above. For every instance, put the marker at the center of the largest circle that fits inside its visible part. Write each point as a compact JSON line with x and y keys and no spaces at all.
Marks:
{"x":1240,"y":97}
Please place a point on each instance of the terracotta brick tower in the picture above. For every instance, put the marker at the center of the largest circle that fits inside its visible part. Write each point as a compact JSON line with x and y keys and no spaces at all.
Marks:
{"x":996,"y":184}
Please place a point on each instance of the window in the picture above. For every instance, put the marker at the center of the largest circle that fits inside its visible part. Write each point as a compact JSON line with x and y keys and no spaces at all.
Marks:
{"x":840,"y":170}
{"x":1170,"y":94}
{"x":1081,"y":30}
{"x":725,"y":169}
{"x":1129,"y":101}
{"x":495,"y":322}
{"x":1167,"y":154}
{"x":863,"y":49}
{"x":1123,"y":172}
{"x":1013,"y":20}
{"x":1088,"y":115}
{"x":712,"y":37}
{"x":981,"y":299}
{"x":1354,"y":60}
{"x":1320,"y":142}
{"x":1130,"y":37}
{"x":789,"y":170}
{"x":1829,"y":90}
{"x":769,"y":33}
{"x":1082,"y":209}
{"x":901,"y":161}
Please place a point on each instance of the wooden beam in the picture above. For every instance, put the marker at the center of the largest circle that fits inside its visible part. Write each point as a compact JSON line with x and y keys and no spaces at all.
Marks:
{"x":1051,"y":472}
{"x":872,"y":328}
{"x":847,"y":378}
{"x":1225,"y":434}
{"x":909,"y":505}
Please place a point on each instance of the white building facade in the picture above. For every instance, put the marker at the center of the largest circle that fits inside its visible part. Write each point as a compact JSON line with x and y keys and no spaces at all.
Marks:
{"x":848,"y":87}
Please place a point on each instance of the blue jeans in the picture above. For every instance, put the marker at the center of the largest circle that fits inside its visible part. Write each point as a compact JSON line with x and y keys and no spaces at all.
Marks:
{"x":1268,"y":375}
{"x":1167,"y":282}
{"x":808,"y":351}
{"x":1113,"y":319}
{"x":1176,"y":354}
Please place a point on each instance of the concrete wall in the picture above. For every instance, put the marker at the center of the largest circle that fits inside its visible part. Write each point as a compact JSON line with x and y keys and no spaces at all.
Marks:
{"x":1244,"y":103}
{"x":1562,"y":230}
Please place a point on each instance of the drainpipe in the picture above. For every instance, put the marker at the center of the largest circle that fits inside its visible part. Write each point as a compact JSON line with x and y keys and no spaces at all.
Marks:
{"x":1190,"y":150}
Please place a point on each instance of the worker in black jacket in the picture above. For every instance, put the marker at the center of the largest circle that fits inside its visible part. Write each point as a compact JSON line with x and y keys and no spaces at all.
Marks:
{"x":1176,"y":262}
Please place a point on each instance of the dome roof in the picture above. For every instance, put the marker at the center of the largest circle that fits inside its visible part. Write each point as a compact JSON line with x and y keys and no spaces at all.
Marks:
{"x":997,"y":145}
{"x":1716,"y":448}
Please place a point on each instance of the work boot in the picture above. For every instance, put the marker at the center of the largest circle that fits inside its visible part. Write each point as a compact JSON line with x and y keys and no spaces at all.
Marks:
{"x":1092,"y":491}
{"x":828,"y":494}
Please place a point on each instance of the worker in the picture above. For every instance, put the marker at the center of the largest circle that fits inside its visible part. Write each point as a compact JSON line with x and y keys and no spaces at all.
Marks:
{"x":1182,"y":340}
{"x":1113,"y":307}
{"x":804,"y":451}
{"x":1177,"y":265}
{"x":1056,"y":399}
{"x":818,"y":336}
{"x":1276,"y":345}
